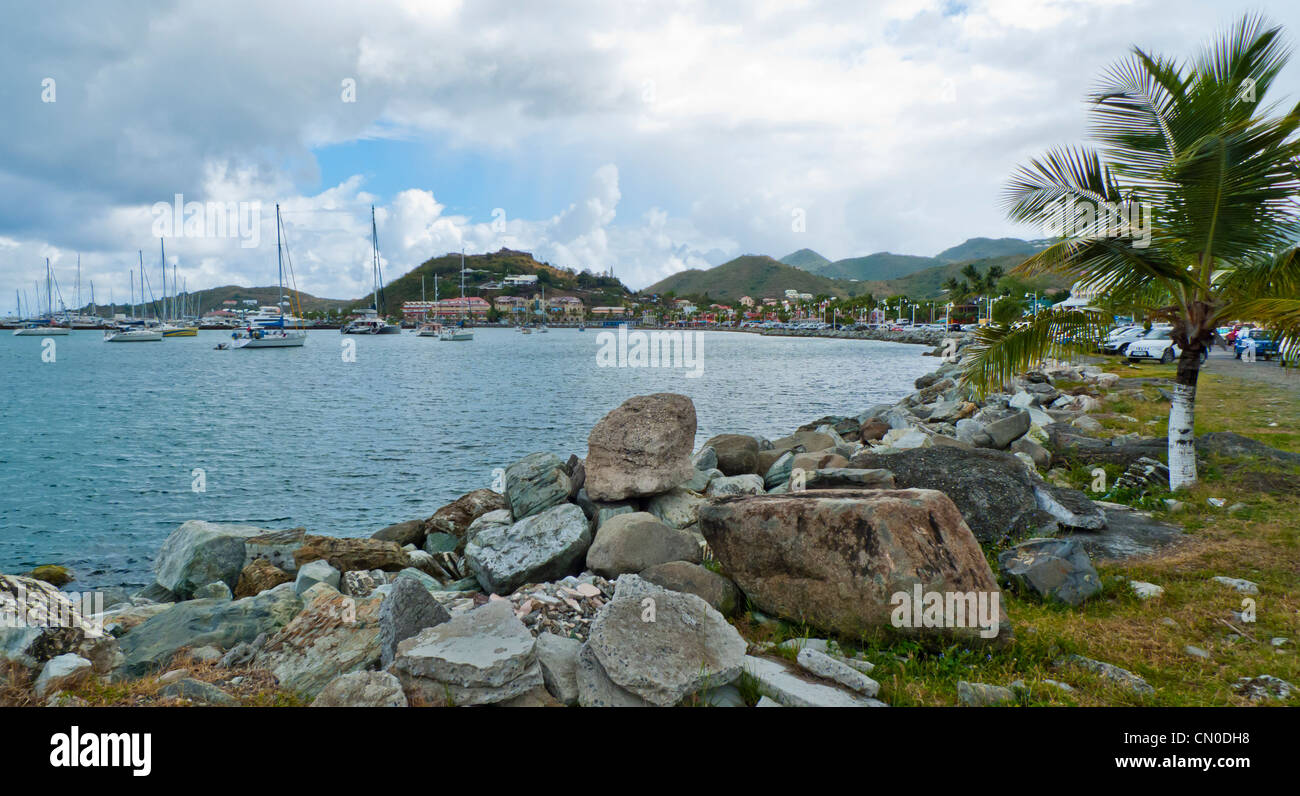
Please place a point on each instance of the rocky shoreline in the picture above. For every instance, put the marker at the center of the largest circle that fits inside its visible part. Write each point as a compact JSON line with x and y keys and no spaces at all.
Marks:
{"x":618,"y":578}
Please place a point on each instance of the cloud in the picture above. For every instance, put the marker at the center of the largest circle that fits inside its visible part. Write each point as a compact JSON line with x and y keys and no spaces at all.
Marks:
{"x":643,"y":138}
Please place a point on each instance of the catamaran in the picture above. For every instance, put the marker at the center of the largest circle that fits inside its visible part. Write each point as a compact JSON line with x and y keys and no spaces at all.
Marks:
{"x":269,"y":333}
{"x":370,"y":322}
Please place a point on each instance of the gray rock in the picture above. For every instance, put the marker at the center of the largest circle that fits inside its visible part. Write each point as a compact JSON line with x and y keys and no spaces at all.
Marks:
{"x":277,"y":547}
{"x":607,"y":511}
{"x":221,"y":623}
{"x":332,"y":635}
{"x":500,"y":518}
{"x":1144,"y":590}
{"x":979,"y":695}
{"x":706,"y":459}
{"x":596,"y":690}
{"x":691,"y":578}
{"x":848,"y":478}
{"x":362,"y":690}
{"x":198,"y":692}
{"x":633,"y":542}
{"x":779,"y":472}
{"x":535,"y":483}
{"x":1196,"y":652}
{"x":558,"y":658}
{"x":641,"y":448}
{"x":1069,"y":507}
{"x":358,"y":583}
{"x":61,"y":672}
{"x":778,"y":681}
{"x":198,"y":553}
{"x":699,"y":481}
{"x":1002,"y":433}
{"x":213,"y":591}
{"x":1110,"y":672}
{"x":404,"y":533}
{"x":406,"y":610}
{"x":828,"y":668}
{"x":663,"y":645}
{"x":677,"y":508}
{"x":543,"y":547}
{"x":1057,"y":569}
{"x":727,"y":696}
{"x":1265,"y":686}
{"x":480,"y":657}
{"x":727,"y":486}
{"x":1241,"y":585}
{"x":314,"y":572}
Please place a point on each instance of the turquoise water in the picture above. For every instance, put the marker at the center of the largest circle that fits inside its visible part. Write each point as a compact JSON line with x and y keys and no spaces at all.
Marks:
{"x":98,"y":449}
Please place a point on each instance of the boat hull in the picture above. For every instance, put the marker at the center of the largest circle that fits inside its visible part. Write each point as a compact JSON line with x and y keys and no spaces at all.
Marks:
{"x":136,"y":336}
{"x":291,"y":340}
{"x":41,"y":331}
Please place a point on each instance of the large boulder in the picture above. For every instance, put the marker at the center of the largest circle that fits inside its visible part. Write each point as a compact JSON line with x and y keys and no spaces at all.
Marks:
{"x":1055,"y":569}
{"x":535,"y":483}
{"x":220,"y":623}
{"x":407,"y":609}
{"x":641,"y":448}
{"x":737,"y":453}
{"x":65,"y":671}
{"x":332,"y":635}
{"x":198,"y":553}
{"x":558,"y":657}
{"x":480,"y":657}
{"x":848,"y":478}
{"x":837,"y":559}
{"x":404,"y":533}
{"x":995,"y":492}
{"x":685,"y":645}
{"x":543,"y":547}
{"x":351,"y":553}
{"x":633,"y":542}
{"x":1001,"y":433}
{"x":456,"y":517}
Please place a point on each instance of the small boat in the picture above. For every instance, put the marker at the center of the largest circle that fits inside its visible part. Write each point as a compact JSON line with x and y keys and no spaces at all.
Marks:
{"x":177,"y":330}
{"x":138,"y":333}
{"x":525,"y":330}
{"x":34,"y":329}
{"x":429,"y":330}
{"x":456,"y":334}
{"x":582,"y":327}
{"x":272,"y":333}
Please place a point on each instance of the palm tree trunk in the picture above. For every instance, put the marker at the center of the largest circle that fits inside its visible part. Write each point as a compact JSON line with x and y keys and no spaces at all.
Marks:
{"x":1182,"y":420}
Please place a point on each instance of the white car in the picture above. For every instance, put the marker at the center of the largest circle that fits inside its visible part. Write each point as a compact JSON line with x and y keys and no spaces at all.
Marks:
{"x":1157,"y":344}
{"x":1118,"y":340}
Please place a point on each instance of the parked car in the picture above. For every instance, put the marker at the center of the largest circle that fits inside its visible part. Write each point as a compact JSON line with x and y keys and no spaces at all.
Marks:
{"x":1117,"y":342}
{"x":1266,"y":346}
{"x":1157,"y":344}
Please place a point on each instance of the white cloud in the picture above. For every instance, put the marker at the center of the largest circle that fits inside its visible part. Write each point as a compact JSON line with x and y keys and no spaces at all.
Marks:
{"x":697,"y":128}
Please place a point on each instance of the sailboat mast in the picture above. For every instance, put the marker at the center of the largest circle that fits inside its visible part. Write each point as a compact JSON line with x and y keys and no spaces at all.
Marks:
{"x":279,"y":257}
{"x":374,"y":259}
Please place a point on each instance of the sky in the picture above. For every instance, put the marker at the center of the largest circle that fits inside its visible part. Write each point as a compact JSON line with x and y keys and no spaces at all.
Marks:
{"x":643,"y":138}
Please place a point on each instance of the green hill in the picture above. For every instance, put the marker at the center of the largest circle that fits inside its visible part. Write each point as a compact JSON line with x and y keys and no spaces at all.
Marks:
{"x":753,"y":275}
{"x":492,"y":268}
{"x":984,"y":248}
{"x":807,"y":259}
{"x":878,"y":266}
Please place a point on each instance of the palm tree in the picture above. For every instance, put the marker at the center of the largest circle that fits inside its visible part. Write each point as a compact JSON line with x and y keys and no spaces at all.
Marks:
{"x":1186,"y":213}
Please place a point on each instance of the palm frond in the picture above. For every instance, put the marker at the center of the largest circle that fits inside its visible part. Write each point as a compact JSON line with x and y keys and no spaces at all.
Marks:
{"x":1000,"y":351}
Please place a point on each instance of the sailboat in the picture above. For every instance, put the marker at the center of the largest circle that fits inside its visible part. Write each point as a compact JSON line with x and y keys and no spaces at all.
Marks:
{"x":273,"y":334}
{"x":370,"y":322}
{"x":459,"y":333}
{"x":172,"y":327}
{"x":134,"y":330}
{"x":44,"y":326}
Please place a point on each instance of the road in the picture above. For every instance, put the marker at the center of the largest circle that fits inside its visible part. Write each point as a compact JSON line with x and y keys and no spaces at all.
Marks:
{"x":1222,"y":363}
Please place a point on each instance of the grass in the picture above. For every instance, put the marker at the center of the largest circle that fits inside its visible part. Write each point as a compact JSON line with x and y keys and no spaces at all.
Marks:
{"x":1260,"y":543}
